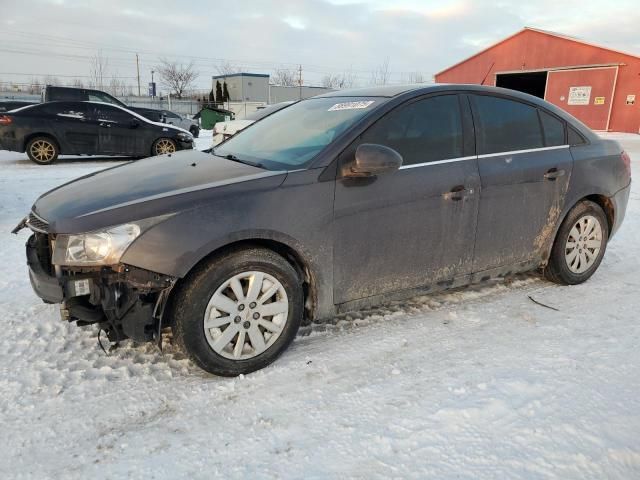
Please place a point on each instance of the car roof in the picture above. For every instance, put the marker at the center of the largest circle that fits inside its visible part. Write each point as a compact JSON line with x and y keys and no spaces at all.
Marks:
{"x":410,"y":91}
{"x":421,"y":89}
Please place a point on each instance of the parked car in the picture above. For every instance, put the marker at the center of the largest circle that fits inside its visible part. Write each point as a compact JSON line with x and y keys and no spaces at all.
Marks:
{"x":165,"y":116}
{"x":224,"y":130}
{"x":339,"y":202}
{"x":47,"y":130}
{"x":52,"y":93}
{"x":8,"y":105}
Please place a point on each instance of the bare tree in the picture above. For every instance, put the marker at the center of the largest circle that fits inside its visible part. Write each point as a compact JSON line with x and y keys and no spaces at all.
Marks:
{"x":413,"y":77}
{"x":285,"y":77}
{"x":342,"y":80}
{"x":77,"y":83}
{"x":176,"y":76}
{"x":98,"y":70}
{"x":35,"y":86}
{"x":117,"y":87}
{"x":380,"y":76}
{"x":51,"y":80}
{"x":330,"y":81}
{"x":227,"y":68}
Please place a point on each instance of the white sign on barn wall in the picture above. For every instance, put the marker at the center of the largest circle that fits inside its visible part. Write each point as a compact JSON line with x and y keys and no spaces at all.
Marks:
{"x":579,"y":95}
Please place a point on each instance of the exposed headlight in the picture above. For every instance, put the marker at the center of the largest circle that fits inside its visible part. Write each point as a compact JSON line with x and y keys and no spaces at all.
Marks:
{"x":102,"y":247}
{"x":185,"y":137}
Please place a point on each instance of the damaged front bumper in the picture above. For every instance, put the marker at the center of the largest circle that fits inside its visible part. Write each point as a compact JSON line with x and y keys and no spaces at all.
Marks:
{"x":125,"y":301}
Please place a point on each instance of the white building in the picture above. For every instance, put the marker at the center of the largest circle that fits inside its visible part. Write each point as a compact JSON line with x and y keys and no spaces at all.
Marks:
{"x":255,"y":87}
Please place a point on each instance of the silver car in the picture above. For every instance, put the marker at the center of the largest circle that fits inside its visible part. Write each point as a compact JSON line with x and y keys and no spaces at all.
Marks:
{"x":185,"y":123}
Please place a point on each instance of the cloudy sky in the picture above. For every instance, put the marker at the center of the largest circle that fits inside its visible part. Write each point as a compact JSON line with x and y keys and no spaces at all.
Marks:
{"x":59,"y":37}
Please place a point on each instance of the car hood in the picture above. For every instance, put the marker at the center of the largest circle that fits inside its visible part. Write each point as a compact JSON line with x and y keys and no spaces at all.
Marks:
{"x":145,"y":188}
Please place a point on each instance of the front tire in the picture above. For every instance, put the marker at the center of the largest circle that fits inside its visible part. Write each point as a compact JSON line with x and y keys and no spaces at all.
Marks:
{"x":163,"y":146}
{"x":42,"y":150}
{"x":239,"y":312}
{"x":579,"y":245}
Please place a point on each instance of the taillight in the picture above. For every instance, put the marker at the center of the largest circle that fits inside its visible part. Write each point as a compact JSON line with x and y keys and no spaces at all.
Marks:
{"x":5,"y":120}
{"x":626,"y":159}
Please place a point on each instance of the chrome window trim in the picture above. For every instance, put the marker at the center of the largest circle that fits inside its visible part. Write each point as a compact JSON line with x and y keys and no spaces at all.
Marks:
{"x":484,"y":155}
{"x":528,"y":150}
{"x":438,"y":162}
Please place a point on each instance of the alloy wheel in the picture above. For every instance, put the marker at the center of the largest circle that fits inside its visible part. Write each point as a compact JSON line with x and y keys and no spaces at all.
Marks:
{"x":583,"y":244}
{"x":43,"y":151}
{"x":246,"y":315}
{"x":165,"y":146}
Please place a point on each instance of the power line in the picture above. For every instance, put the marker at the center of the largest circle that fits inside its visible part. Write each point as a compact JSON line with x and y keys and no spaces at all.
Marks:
{"x":70,"y":43}
{"x":61,"y":75}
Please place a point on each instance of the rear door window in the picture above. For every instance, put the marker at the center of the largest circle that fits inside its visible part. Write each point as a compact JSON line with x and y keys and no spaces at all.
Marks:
{"x":73,"y":111}
{"x":47,"y":108}
{"x":105,"y":113}
{"x":95,"y":96}
{"x":553,"y":129}
{"x":504,"y":125}
{"x":423,"y":131}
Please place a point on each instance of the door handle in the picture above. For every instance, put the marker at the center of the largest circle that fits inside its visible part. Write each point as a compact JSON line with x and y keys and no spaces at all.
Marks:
{"x":553,"y":173}
{"x":457,"y":193}
{"x":105,"y":125}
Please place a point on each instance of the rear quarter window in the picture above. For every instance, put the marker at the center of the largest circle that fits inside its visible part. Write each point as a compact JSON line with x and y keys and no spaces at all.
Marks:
{"x":553,"y":129}
{"x":574,"y":137}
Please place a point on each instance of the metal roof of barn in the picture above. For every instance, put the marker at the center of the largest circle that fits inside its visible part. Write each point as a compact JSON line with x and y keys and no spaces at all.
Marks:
{"x":544,"y":32}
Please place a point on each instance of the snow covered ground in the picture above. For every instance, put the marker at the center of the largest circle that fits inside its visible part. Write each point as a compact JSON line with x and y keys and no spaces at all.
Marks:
{"x":473,"y":384}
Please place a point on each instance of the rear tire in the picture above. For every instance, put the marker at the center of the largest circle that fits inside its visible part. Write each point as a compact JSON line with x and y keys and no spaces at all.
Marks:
{"x":238,"y":312}
{"x":42,"y":150}
{"x":579,"y":245}
{"x":163,"y":146}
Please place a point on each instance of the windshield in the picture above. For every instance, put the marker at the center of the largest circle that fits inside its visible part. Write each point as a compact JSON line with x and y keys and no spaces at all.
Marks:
{"x":263,"y":112}
{"x":292,"y":137}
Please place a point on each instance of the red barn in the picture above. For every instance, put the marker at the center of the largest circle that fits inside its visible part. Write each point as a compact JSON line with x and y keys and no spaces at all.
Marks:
{"x":596,"y":84}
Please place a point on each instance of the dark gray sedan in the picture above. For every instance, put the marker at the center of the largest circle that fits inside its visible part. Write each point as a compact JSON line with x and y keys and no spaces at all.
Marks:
{"x":336,"y":203}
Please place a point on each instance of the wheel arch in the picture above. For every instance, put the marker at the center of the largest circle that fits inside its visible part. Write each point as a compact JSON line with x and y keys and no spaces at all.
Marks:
{"x":31,"y":136}
{"x":296,"y":259}
{"x":599,"y":199}
{"x":607,"y":206}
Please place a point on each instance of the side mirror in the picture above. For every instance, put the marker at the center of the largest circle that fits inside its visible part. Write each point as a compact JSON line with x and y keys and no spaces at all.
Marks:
{"x":372,"y":160}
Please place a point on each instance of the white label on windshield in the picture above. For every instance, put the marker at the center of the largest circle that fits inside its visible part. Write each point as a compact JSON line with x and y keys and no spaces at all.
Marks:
{"x":351,"y":105}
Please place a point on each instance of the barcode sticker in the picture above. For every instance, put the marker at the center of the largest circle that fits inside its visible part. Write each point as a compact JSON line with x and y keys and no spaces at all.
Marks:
{"x":351,"y":105}
{"x":81,"y":287}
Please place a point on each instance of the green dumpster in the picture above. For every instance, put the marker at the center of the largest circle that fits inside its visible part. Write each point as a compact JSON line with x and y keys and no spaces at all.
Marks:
{"x":209,"y":116}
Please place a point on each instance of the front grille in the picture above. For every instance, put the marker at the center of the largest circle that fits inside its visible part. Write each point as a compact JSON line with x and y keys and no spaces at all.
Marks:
{"x":37,"y":224}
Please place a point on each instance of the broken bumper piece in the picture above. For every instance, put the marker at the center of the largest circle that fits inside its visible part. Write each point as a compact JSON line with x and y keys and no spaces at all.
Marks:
{"x":125,"y":301}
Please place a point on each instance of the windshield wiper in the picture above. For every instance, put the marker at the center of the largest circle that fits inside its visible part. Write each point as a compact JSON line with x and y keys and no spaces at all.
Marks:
{"x":232,"y":157}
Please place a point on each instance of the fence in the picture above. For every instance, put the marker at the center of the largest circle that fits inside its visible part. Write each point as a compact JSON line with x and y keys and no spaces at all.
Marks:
{"x":183,"y":107}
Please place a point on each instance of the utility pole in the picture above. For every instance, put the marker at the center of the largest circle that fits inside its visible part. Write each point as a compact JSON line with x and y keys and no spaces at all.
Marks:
{"x":300,"y":80}
{"x":153,"y":89}
{"x":138,"y":69}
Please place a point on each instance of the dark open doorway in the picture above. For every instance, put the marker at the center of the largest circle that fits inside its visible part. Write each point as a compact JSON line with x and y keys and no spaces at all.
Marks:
{"x":533,"y":83}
